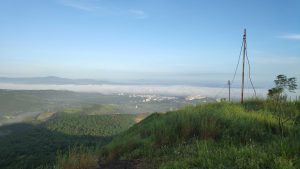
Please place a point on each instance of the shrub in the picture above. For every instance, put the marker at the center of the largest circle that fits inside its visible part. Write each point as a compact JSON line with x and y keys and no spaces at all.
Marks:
{"x":77,"y":158}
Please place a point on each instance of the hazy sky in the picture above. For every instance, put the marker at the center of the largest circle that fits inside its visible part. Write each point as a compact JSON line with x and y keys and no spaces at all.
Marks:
{"x":140,"y":39}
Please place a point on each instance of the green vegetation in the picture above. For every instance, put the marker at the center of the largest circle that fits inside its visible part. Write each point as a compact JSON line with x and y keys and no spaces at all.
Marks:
{"x":215,"y":135}
{"x":221,"y":135}
{"x":76,"y":158}
{"x":25,"y":105}
{"x":14,"y":102}
{"x":259,"y":134}
{"x":90,"y":125}
{"x":277,"y":98}
{"x":42,"y":144}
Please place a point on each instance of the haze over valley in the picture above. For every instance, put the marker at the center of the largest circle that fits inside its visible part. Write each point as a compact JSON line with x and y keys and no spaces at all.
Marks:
{"x":149,"y":84}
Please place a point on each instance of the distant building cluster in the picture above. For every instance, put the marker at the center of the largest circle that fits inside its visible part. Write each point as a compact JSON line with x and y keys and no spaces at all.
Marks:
{"x":149,"y":98}
{"x":196,"y":97}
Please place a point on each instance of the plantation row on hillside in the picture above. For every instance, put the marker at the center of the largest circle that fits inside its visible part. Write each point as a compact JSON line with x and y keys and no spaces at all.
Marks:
{"x":39,"y":145}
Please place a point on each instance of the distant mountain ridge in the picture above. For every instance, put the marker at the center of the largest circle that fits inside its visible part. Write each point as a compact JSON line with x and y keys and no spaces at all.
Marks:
{"x":54,"y":80}
{"x":50,"y":80}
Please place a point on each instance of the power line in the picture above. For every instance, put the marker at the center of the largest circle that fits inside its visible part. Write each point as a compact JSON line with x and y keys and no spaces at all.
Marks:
{"x":237,"y":65}
{"x":221,"y":90}
{"x":249,"y":72}
{"x":243,"y":46}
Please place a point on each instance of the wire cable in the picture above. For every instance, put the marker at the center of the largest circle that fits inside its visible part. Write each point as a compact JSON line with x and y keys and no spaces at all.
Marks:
{"x":221,"y":90}
{"x":236,"y":68}
{"x":249,"y":72}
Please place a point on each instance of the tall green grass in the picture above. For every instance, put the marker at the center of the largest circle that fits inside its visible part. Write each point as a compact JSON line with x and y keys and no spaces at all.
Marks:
{"x":219,"y":135}
{"x":77,"y":158}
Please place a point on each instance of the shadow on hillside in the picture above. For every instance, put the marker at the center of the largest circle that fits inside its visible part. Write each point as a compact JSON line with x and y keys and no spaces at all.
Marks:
{"x":25,"y":145}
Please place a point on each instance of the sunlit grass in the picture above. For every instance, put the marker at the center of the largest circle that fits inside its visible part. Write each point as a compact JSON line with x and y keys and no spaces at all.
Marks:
{"x":218,"y":135}
{"x":77,"y":158}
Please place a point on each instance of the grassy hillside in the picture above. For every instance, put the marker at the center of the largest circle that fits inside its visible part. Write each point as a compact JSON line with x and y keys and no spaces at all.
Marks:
{"x":216,"y":136}
{"x":210,"y":136}
{"x":36,"y":144}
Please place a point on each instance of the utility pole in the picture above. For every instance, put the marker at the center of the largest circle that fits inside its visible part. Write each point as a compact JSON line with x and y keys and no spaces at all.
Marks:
{"x":243,"y":70}
{"x":229,"y":90}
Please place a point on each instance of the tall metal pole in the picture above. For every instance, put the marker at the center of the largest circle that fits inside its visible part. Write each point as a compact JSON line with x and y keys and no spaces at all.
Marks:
{"x":243,"y":71}
{"x":229,"y":90}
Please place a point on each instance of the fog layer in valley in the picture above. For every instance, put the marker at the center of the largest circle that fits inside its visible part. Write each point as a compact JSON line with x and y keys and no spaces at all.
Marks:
{"x":174,"y":90}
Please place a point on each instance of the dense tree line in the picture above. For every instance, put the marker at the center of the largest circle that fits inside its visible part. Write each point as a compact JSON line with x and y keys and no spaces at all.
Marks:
{"x":30,"y":145}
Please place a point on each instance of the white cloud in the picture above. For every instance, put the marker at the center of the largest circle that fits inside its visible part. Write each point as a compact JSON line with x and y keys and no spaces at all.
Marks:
{"x":140,"y":14}
{"x":96,"y":8}
{"x":278,"y":60}
{"x":291,"y":36}
{"x":79,"y":5}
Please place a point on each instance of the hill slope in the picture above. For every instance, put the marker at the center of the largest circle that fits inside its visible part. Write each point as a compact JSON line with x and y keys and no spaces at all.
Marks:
{"x":216,"y":136}
{"x":37,"y":145}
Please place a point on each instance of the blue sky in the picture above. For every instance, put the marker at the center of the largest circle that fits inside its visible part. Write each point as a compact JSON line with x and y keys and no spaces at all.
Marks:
{"x":148,"y":39}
